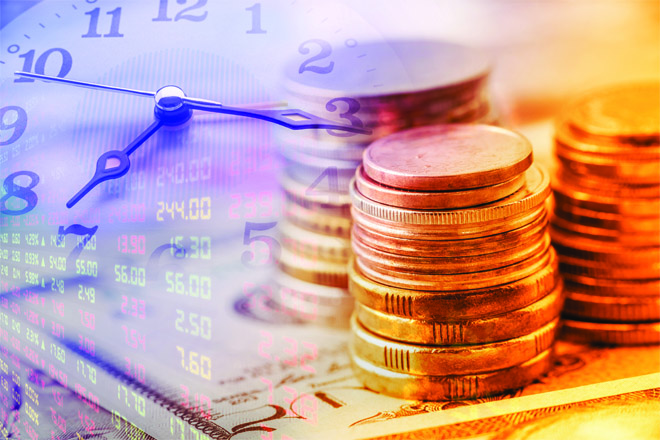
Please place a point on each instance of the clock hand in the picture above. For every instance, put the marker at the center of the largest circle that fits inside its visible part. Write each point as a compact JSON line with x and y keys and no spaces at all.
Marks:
{"x":293,"y":119}
{"x":114,"y":164}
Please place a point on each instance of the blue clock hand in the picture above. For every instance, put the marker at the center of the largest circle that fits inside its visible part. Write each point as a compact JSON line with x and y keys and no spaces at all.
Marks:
{"x":293,"y":119}
{"x":106,"y":169}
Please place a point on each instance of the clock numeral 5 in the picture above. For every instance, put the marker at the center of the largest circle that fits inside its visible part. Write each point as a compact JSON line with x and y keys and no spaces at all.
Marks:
{"x":273,"y":245}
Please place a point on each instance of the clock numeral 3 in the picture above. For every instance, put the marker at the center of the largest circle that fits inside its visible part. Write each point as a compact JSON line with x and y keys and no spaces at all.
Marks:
{"x":94,"y":14}
{"x":182,"y":15}
{"x":40,"y":65}
{"x":353,"y":106}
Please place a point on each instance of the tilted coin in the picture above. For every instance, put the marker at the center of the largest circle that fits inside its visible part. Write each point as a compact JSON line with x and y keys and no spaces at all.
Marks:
{"x":440,"y":360}
{"x":469,"y":281}
{"x":597,"y":307}
{"x":448,"y":248}
{"x":448,"y":157}
{"x":454,"y":305}
{"x":484,"y":330}
{"x":435,"y":199}
{"x":611,"y":333}
{"x":449,"y":265}
{"x":531,"y":195}
{"x":427,"y":387}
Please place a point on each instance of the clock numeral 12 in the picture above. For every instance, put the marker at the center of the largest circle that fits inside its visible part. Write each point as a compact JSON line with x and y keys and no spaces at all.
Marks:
{"x":94,"y":14}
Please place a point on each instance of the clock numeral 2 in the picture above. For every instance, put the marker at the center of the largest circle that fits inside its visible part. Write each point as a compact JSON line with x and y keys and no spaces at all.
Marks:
{"x":94,"y":14}
{"x":40,"y":65}
{"x":182,"y":15}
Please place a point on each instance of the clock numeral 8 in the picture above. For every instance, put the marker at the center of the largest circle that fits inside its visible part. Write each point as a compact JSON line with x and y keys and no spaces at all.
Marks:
{"x":20,"y":192}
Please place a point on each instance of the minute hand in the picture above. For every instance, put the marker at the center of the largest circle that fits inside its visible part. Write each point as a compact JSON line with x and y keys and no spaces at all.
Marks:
{"x":294,"y":119}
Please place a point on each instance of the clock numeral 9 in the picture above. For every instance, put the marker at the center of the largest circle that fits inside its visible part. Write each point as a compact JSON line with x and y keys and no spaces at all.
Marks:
{"x":40,"y":65}
{"x":24,"y":193}
{"x":13,"y":118}
{"x":182,"y":15}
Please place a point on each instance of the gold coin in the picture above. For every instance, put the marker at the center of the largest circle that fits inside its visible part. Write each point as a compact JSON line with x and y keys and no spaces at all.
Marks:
{"x":596,"y":184}
{"x":426,"y":387}
{"x":530,"y":196}
{"x":318,"y":222}
{"x":623,"y":238}
{"x":597,"y":307}
{"x":641,"y":172}
{"x":484,"y":330}
{"x":449,"y":265}
{"x":449,"y":248}
{"x":468,"y":281}
{"x":324,"y":202}
{"x":447,"y":232}
{"x":314,"y":271}
{"x":576,"y":245}
{"x":447,"y":157}
{"x":565,"y":137}
{"x":614,"y":287}
{"x":454,"y":305}
{"x":596,"y":269}
{"x":626,"y":113}
{"x":606,"y":203}
{"x":611,"y":333}
{"x":313,"y":245}
{"x":442,"y":360}
{"x":434,"y":199}
{"x":292,"y":290}
{"x":606,"y":220}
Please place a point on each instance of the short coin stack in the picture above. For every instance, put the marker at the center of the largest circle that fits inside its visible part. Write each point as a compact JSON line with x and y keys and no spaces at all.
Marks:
{"x":606,"y":224}
{"x":385,"y":87}
{"x":457,"y":286}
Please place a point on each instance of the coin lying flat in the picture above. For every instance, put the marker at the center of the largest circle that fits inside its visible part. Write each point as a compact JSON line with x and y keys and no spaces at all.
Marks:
{"x":314,"y":245}
{"x":453,"y":305}
{"x":490,"y":328}
{"x":450,"y":359}
{"x":318,"y":222}
{"x":618,"y":308}
{"x":428,"y":387}
{"x":435,"y":199}
{"x":611,"y":333}
{"x":314,"y":271}
{"x":448,"y":157}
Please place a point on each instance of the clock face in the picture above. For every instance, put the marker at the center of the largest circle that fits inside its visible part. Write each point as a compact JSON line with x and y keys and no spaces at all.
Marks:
{"x":143,"y":273}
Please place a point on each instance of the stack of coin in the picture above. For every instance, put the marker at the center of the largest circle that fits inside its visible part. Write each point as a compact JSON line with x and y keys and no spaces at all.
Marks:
{"x":457,"y":287}
{"x":606,"y":224}
{"x":385,"y":87}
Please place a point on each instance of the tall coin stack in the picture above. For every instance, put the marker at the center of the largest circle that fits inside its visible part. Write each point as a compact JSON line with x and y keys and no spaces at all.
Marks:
{"x":385,"y":88}
{"x":457,"y":287}
{"x":606,"y":224}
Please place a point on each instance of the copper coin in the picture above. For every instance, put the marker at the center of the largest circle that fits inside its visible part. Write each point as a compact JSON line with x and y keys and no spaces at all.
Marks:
{"x":611,"y":333}
{"x":596,"y":307}
{"x":472,"y":386}
{"x":606,"y":202}
{"x":596,"y":269}
{"x":467,"y":231}
{"x":454,"y":282}
{"x":453,"y":305}
{"x":605,"y":220}
{"x":626,"y":238}
{"x":448,"y":248}
{"x":434,"y":199}
{"x":448,"y":265}
{"x":534,"y":193}
{"x":463,"y":332}
{"x":441,"y":360}
{"x":314,"y":245}
{"x":448,"y":157}
{"x":627,"y":112}
{"x":317,"y":222}
{"x":613,"y":287}
{"x":640,"y":171}
{"x":566,"y":136}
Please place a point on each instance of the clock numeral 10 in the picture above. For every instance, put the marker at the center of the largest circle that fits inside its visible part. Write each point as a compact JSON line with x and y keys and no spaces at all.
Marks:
{"x":40,"y":65}
{"x":94,"y":14}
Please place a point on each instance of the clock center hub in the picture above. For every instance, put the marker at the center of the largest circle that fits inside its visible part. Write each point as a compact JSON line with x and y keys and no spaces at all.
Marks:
{"x":170,"y":107}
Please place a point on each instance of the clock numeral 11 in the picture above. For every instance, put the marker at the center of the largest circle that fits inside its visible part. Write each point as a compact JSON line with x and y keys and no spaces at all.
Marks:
{"x":94,"y":14}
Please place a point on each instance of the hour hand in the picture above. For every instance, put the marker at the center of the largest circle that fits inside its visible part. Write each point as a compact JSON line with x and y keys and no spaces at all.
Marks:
{"x":291,"y":118}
